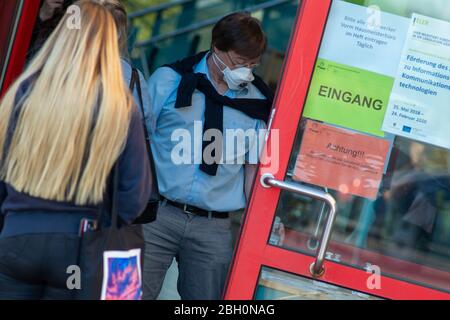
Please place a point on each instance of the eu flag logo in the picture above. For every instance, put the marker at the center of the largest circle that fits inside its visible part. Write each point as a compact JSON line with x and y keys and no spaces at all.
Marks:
{"x":407,"y":129}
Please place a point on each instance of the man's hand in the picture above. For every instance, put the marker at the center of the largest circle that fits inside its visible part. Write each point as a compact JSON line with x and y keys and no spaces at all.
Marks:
{"x":48,"y":9}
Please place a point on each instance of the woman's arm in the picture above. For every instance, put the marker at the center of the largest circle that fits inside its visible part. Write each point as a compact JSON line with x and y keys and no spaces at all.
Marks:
{"x":2,"y":192}
{"x":2,"y":198}
{"x":134,"y":172}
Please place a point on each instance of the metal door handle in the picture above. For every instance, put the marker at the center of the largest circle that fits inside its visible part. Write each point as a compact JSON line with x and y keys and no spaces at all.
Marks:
{"x":268,"y":180}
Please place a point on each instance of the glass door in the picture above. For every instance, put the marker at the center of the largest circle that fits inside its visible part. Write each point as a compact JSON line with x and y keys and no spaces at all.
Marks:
{"x":352,"y":199}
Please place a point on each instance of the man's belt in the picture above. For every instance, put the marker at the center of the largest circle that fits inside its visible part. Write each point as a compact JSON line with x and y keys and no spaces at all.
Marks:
{"x":197,"y":211}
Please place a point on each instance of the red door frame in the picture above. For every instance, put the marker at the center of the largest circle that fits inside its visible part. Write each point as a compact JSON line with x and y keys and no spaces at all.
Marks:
{"x":253,"y":251}
{"x":21,"y":43}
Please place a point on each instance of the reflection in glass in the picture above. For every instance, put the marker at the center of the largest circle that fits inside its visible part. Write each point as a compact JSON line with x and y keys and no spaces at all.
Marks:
{"x":406,"y":230}
{"x":8,"y":17}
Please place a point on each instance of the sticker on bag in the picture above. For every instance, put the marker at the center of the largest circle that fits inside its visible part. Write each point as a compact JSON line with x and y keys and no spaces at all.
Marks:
{"x":122,"y":275}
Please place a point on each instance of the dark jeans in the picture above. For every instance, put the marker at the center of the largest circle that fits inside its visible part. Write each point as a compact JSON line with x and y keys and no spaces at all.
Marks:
{"x":34,"y":267}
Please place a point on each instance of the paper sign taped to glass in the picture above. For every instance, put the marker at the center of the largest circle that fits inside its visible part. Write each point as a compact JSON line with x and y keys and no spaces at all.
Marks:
{"x":343,"y":160}
{"x":354,"y":74}
{"x":419,"y":105}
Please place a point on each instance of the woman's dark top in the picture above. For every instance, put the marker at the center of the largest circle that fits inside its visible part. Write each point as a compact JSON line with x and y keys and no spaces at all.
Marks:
{"x":25,"y":214}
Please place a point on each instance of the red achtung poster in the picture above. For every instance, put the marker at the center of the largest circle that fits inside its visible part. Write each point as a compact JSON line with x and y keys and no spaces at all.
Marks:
{"x":343,"y":160}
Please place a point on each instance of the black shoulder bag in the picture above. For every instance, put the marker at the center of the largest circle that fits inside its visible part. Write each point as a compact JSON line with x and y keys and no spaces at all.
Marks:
{"x":111,"y":257}
{"x":151,"y":210}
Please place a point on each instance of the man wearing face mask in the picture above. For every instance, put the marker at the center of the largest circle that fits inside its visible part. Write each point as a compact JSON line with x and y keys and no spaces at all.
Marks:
{"x":214,"y":91}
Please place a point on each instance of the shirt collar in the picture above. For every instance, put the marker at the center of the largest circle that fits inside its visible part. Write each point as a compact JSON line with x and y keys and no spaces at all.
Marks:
{"x":202,"y":67}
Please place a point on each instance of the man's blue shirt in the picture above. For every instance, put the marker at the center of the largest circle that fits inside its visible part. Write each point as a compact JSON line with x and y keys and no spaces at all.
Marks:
{"x":179,"y":176}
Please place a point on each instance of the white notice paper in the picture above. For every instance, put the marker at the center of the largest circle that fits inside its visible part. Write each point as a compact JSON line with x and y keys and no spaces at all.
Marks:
{"x":419,"y":106}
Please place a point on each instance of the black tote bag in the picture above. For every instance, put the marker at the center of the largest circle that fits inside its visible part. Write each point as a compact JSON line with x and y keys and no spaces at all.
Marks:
{"x":111,"y":258}
{"x":151,"y":210}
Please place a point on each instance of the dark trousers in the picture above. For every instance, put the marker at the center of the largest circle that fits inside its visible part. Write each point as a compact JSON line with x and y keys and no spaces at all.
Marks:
{"x":202,"y":247}
{"x":34,"y":267}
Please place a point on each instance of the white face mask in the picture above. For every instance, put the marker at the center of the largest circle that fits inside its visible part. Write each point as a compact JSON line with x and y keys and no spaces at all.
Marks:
{"x":236,"y":79}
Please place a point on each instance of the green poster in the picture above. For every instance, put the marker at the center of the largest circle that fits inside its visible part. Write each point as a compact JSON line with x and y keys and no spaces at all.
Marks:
{"x":349,"y":97}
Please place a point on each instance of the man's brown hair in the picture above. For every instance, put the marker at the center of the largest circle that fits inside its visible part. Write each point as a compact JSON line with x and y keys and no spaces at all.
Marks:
{"x":241,"y":33}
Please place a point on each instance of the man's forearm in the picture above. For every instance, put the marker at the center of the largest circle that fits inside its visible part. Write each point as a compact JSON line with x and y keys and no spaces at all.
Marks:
{"x":250,"y":171}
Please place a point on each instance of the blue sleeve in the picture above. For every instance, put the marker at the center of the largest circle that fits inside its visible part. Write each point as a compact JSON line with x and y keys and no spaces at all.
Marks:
{"x":148,"y":116}
{"x":127,"y":72}
{"x":162,"y":88}
{"x":134,"y":172}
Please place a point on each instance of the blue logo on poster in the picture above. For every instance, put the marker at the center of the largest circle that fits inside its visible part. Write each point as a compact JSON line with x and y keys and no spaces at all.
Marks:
{"x":407,"y":129}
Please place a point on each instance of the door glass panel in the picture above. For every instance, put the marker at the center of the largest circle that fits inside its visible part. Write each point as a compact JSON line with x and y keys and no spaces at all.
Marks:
{"x":277,"y":285}
{"x":374,"y":135}
{"x":8,"y":21}
{"x":178,"y":29}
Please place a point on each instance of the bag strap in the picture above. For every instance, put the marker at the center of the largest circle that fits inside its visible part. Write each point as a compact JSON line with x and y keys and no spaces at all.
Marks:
{"x":136,"y":83}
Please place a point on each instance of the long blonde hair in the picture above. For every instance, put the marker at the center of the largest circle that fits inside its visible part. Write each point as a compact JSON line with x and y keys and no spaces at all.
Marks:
{"x":74,"y":122}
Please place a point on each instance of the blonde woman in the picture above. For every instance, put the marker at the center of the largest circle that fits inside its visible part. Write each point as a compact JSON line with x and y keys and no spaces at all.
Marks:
{"x":64,"y":124}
